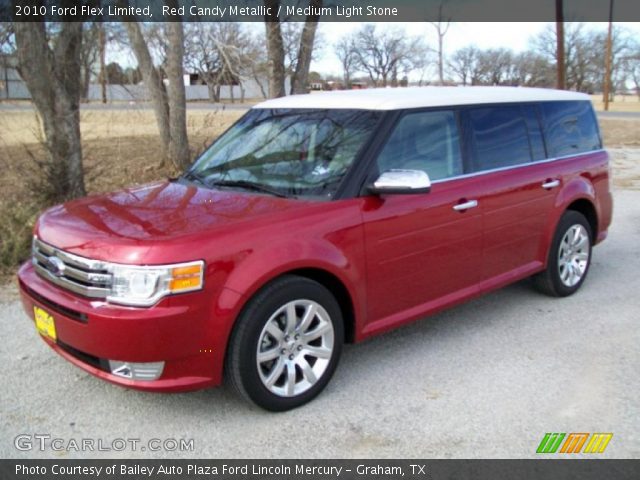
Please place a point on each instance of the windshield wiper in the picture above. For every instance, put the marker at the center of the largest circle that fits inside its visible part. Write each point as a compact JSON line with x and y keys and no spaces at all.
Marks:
{"x":192,"y":177}
{"x":256,"y":187}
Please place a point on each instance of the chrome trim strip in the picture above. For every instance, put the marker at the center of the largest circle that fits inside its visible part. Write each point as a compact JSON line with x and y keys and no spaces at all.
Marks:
{"x":512,"y":167}
{"x":87,"y":277}
{"x":78,"y":271}
{"x":93,"y":292}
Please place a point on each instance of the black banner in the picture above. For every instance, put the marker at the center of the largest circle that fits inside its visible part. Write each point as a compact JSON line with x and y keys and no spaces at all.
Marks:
{"x":321,"y":469}
{"x":328,"y":10}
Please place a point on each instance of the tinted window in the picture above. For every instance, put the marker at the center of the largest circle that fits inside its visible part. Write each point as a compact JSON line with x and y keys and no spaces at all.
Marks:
{"x":426,"y":141}
{"x":500,"y":137}
{"x":535,"y":132}
{"x":570,"y":128}
{"x":292,"y":152}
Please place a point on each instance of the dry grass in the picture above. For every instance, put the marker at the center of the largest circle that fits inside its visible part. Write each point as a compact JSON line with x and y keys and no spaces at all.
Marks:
{"x":120,"y":148}
{"x":621,"y":103}
{"x":118,"y":145}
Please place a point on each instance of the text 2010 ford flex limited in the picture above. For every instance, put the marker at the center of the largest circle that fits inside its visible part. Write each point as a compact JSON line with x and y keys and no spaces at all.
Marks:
{"x":317,"y":220}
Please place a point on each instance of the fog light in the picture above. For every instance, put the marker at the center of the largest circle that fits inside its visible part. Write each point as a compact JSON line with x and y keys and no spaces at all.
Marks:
{"x":136,"y":371}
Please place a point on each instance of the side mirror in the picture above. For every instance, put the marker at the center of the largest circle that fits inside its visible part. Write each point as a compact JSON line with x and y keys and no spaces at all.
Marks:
{"x":401,"y":181}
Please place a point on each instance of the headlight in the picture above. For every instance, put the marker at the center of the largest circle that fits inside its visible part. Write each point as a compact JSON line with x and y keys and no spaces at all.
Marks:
{"x":144,"y":286}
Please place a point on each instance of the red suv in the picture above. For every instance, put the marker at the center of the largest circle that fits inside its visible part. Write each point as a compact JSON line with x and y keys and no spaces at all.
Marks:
{"x":315,"y":220}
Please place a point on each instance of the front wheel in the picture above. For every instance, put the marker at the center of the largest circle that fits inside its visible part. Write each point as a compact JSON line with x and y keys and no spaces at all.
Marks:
{"x":569,"y":257}
{"x":286,"y":344}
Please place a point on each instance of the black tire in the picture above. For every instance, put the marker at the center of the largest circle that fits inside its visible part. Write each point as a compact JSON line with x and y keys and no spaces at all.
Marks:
{"x":550,"y":281}
{"x":250,"y":331}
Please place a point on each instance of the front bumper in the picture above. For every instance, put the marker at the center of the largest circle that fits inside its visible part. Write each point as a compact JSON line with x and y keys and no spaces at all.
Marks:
{"x":177,"y":331}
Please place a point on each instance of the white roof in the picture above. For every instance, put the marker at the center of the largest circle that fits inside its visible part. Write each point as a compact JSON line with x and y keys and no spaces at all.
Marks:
{"x":416,"y":97}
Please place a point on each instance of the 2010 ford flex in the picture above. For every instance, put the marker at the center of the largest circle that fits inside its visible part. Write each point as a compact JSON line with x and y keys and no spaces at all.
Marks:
{"x":317,"y":220}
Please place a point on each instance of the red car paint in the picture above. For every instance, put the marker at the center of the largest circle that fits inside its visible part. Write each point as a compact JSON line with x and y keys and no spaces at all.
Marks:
{"x":399,"y":257}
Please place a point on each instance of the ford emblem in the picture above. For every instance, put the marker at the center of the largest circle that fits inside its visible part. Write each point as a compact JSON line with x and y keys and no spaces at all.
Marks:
{"x":56,"y":266}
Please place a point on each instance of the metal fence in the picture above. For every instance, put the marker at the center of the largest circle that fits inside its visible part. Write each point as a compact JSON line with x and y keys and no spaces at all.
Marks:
{"x":12,"y":87}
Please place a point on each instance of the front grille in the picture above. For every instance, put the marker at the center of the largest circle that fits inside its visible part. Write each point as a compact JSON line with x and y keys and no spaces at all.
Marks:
{"x":56,"y":307}
{"x":90,"y":278}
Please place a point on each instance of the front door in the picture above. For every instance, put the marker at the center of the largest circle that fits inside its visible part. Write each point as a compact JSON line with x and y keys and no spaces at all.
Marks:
{"x":423,"y":251}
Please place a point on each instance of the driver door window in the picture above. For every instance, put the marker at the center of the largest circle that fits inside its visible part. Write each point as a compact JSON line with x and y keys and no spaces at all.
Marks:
{"x":427,"y":141}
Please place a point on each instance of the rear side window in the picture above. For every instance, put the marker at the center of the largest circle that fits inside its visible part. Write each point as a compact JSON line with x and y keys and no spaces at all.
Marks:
{"x":570,"y":128}
{"x":426,"y":141}
{"x":500,"y":137}
{"x":535,"y":132}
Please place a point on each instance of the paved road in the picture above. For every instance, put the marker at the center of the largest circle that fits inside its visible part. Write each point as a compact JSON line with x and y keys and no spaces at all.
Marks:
{"x":486,"y":379}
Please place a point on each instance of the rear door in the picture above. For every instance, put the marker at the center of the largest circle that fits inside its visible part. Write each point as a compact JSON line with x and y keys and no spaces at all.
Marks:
{"x":517,"y":195}
{"x":422,"y":250}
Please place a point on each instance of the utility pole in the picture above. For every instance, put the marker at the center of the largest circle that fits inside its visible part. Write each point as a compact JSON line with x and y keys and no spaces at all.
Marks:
{"x":103,"y":72}
{"x":560,"y":84}
{"x":607,"y":60}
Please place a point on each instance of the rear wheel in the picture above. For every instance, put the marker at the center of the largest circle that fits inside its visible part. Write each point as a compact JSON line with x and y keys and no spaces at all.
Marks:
{"x":286,"y":344}
{"x":569,"y":257}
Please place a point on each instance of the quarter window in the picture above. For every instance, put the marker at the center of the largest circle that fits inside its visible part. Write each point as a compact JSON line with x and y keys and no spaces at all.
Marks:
{"x":570,"y":128}
{"x":500,"y":137}
{"x":426,"y":141}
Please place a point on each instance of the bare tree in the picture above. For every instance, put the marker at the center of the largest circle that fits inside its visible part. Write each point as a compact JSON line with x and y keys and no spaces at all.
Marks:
{"x":464,"y":65}
{"x":633,"y":68}
{"x":532,"y":70}
{"x":622,"y":47}
{"x":305,"y":49}
{"x":223,"y":53}
{"x":384,"y":55}
{"x":202,"y":54}
{"x":346,"y":53}
{"x":279,"y":50}
{"x":495,"y":66}
{"x":169,"y":102}
{"x":442,"y":27}
{"x":578,"y":50}
{"x":51,"y":70}
{"x":89,"y":55}
{"x":275,"y":50}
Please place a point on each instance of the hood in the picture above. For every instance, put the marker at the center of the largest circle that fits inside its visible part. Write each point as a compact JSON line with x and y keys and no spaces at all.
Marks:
{"x":149,"y":215}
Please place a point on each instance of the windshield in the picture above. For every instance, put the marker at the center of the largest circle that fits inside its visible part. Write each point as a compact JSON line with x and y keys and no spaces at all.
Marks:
{"x":286,"y":152}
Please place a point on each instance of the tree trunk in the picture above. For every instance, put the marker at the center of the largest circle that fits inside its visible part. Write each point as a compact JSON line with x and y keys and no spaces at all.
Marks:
{"x":169,"y":104}
{"x":560,"y":61}
{"x":153,"y":82}
{"x":307,"y":39}
{"x":275,"y":51}
{"x":440,"y":59}
{"x":211,"y":89}
{"x":103,"y":71}
{"x":52,"y":75}
{"x":178,"y":141}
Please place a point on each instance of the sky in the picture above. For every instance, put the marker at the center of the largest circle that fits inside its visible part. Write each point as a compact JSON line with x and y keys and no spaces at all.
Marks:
{"x":513,"y":35}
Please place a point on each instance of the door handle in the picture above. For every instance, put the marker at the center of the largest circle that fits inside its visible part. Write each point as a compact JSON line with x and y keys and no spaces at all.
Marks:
{"x":551,"y":184}
{"x":465,"y":206}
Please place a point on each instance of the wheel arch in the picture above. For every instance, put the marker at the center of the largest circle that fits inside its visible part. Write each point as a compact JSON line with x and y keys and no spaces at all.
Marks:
{"x":339,"y":290}
{"x":588,"y":209}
